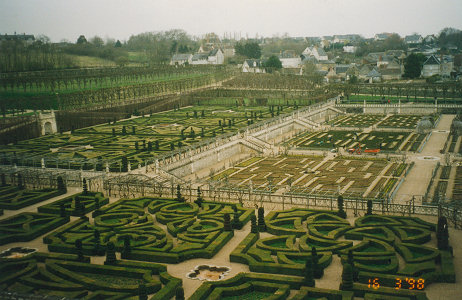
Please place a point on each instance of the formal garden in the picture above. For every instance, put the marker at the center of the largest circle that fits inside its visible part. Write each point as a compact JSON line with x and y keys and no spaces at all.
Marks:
{"x":386,"y":141}
{"x":286,"y":251}
{"x":118,"y":144}
{"x":356,"y":176}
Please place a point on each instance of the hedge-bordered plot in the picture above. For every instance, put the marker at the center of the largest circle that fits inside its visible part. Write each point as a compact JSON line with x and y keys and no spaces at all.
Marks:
{"x":138,"y":139}
{"x":315,"y":174}
{"x":13,"y":197}
{"x":181,"y":230}
{"x":292,"y":234}
{"x":27,"y":226}
{"x":356,"y":120}
{"x":63,"y":275}
{"x":401,"y":121}
{"x":384,"y":140}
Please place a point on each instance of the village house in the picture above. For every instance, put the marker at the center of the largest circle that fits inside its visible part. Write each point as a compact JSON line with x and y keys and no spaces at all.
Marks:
{"x":413,"y":39}
{"x":213,"y":57}
{"x":316,"y":52}
{"x":253,"y":66}
{"x":382,"y":36}
{"x":181,"y":59}
{"x":26,"y":38}
{"x":442,"y":66}
{"x":289,"y":59}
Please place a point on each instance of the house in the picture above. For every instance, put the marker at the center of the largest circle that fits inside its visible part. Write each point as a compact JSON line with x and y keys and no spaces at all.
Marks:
{"x":413,"y":39}
{"x":325,"y":65}
{"x":350,"y":49}
{"x":390,"y":74}
{"x":290,"y":59}
{"x":352,"y":71}
{"x":431,"y":67}
{"x":216,"y":57}
{"x":316,"y":52}
{"x":363,"y":71}
{"x":442,"y":66}
{"x":229,"y":52}
{"x":181,"y":59}
{"x":253,"y":66}
{"x":429,"y":39}
{"x":346,"y":38}
{"x":199,"y":59}
{"x":374,"y":76}
{"x":27,"y":38}
{"x":341,"y":70}
{"x":382,"y":36}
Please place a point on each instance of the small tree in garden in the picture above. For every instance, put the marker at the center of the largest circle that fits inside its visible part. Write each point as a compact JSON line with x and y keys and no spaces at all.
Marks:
{"x":317,"y":270}
{"x":369,"y":207}
{"x":227,"y":223}
{"x":261,"y":219}
{"x":62,"y":210}
{"x":156,"y":145}
{"x":78,"y":247}
{"x":237,"y":224}
{"x":179,"y":294}
{"x":137,"y":147}
{"x":110,"y":254}
{"x":442,"y":233}
{"x":179,"y":197}
{"x":20,"y":183}
{"x":149,"y":146}
{"x":124,"y":130}
{"x":133,"y":129}
{"x":341,"y":211}
{"x":124,"y":164}
{"x":113,"y":132}
{"x":253,"y":224}
{"x":347,"y":278}
{"x":199,"y":199}
{"x":61,"y":186}
{"x":84,"y":187}
{"x":351,"y":262}
{"x":142,"y":292}
{"x":172,"y":146}
{"x":309,"y":276}
{"x":127,"y":249}
{"x":79,"y":207}
{"x":3,"y":179}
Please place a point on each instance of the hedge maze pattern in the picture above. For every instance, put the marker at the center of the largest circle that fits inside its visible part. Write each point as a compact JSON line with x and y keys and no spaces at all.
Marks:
{"x":160,"y":230}
{"x":315,"y":174}
{"x":27,"y":226}
{"x":14,"y":197}
{"x":137,"y":139}
{"x":64,"y":275}
{"x":260,"y":286}
{"x":387,"y":141}
{"x":292,"y":234}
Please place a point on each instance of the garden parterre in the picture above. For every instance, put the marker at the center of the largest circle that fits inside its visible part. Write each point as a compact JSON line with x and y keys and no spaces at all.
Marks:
{"x":314,"y":174}
{"x":138,"y":139}
{"x":389,"y":141}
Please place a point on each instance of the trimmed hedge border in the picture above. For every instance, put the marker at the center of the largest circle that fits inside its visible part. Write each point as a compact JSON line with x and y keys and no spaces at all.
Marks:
{"x":28,"y":228}
{"x":88,"y":201}
{"x":16,"y":198}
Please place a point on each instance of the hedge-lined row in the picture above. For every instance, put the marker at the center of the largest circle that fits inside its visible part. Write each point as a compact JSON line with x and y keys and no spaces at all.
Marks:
{"x":296,"y":232}
{"x":262,"y":286}
{"x":64,"y":275}
{"x":13,"y":197}
{"x":76,"y":205}
{"x":27,"y":226}
{"x":198,"y":232}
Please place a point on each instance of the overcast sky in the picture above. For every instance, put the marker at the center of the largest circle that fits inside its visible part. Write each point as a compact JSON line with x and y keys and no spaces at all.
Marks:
{"x":67,"y":19}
